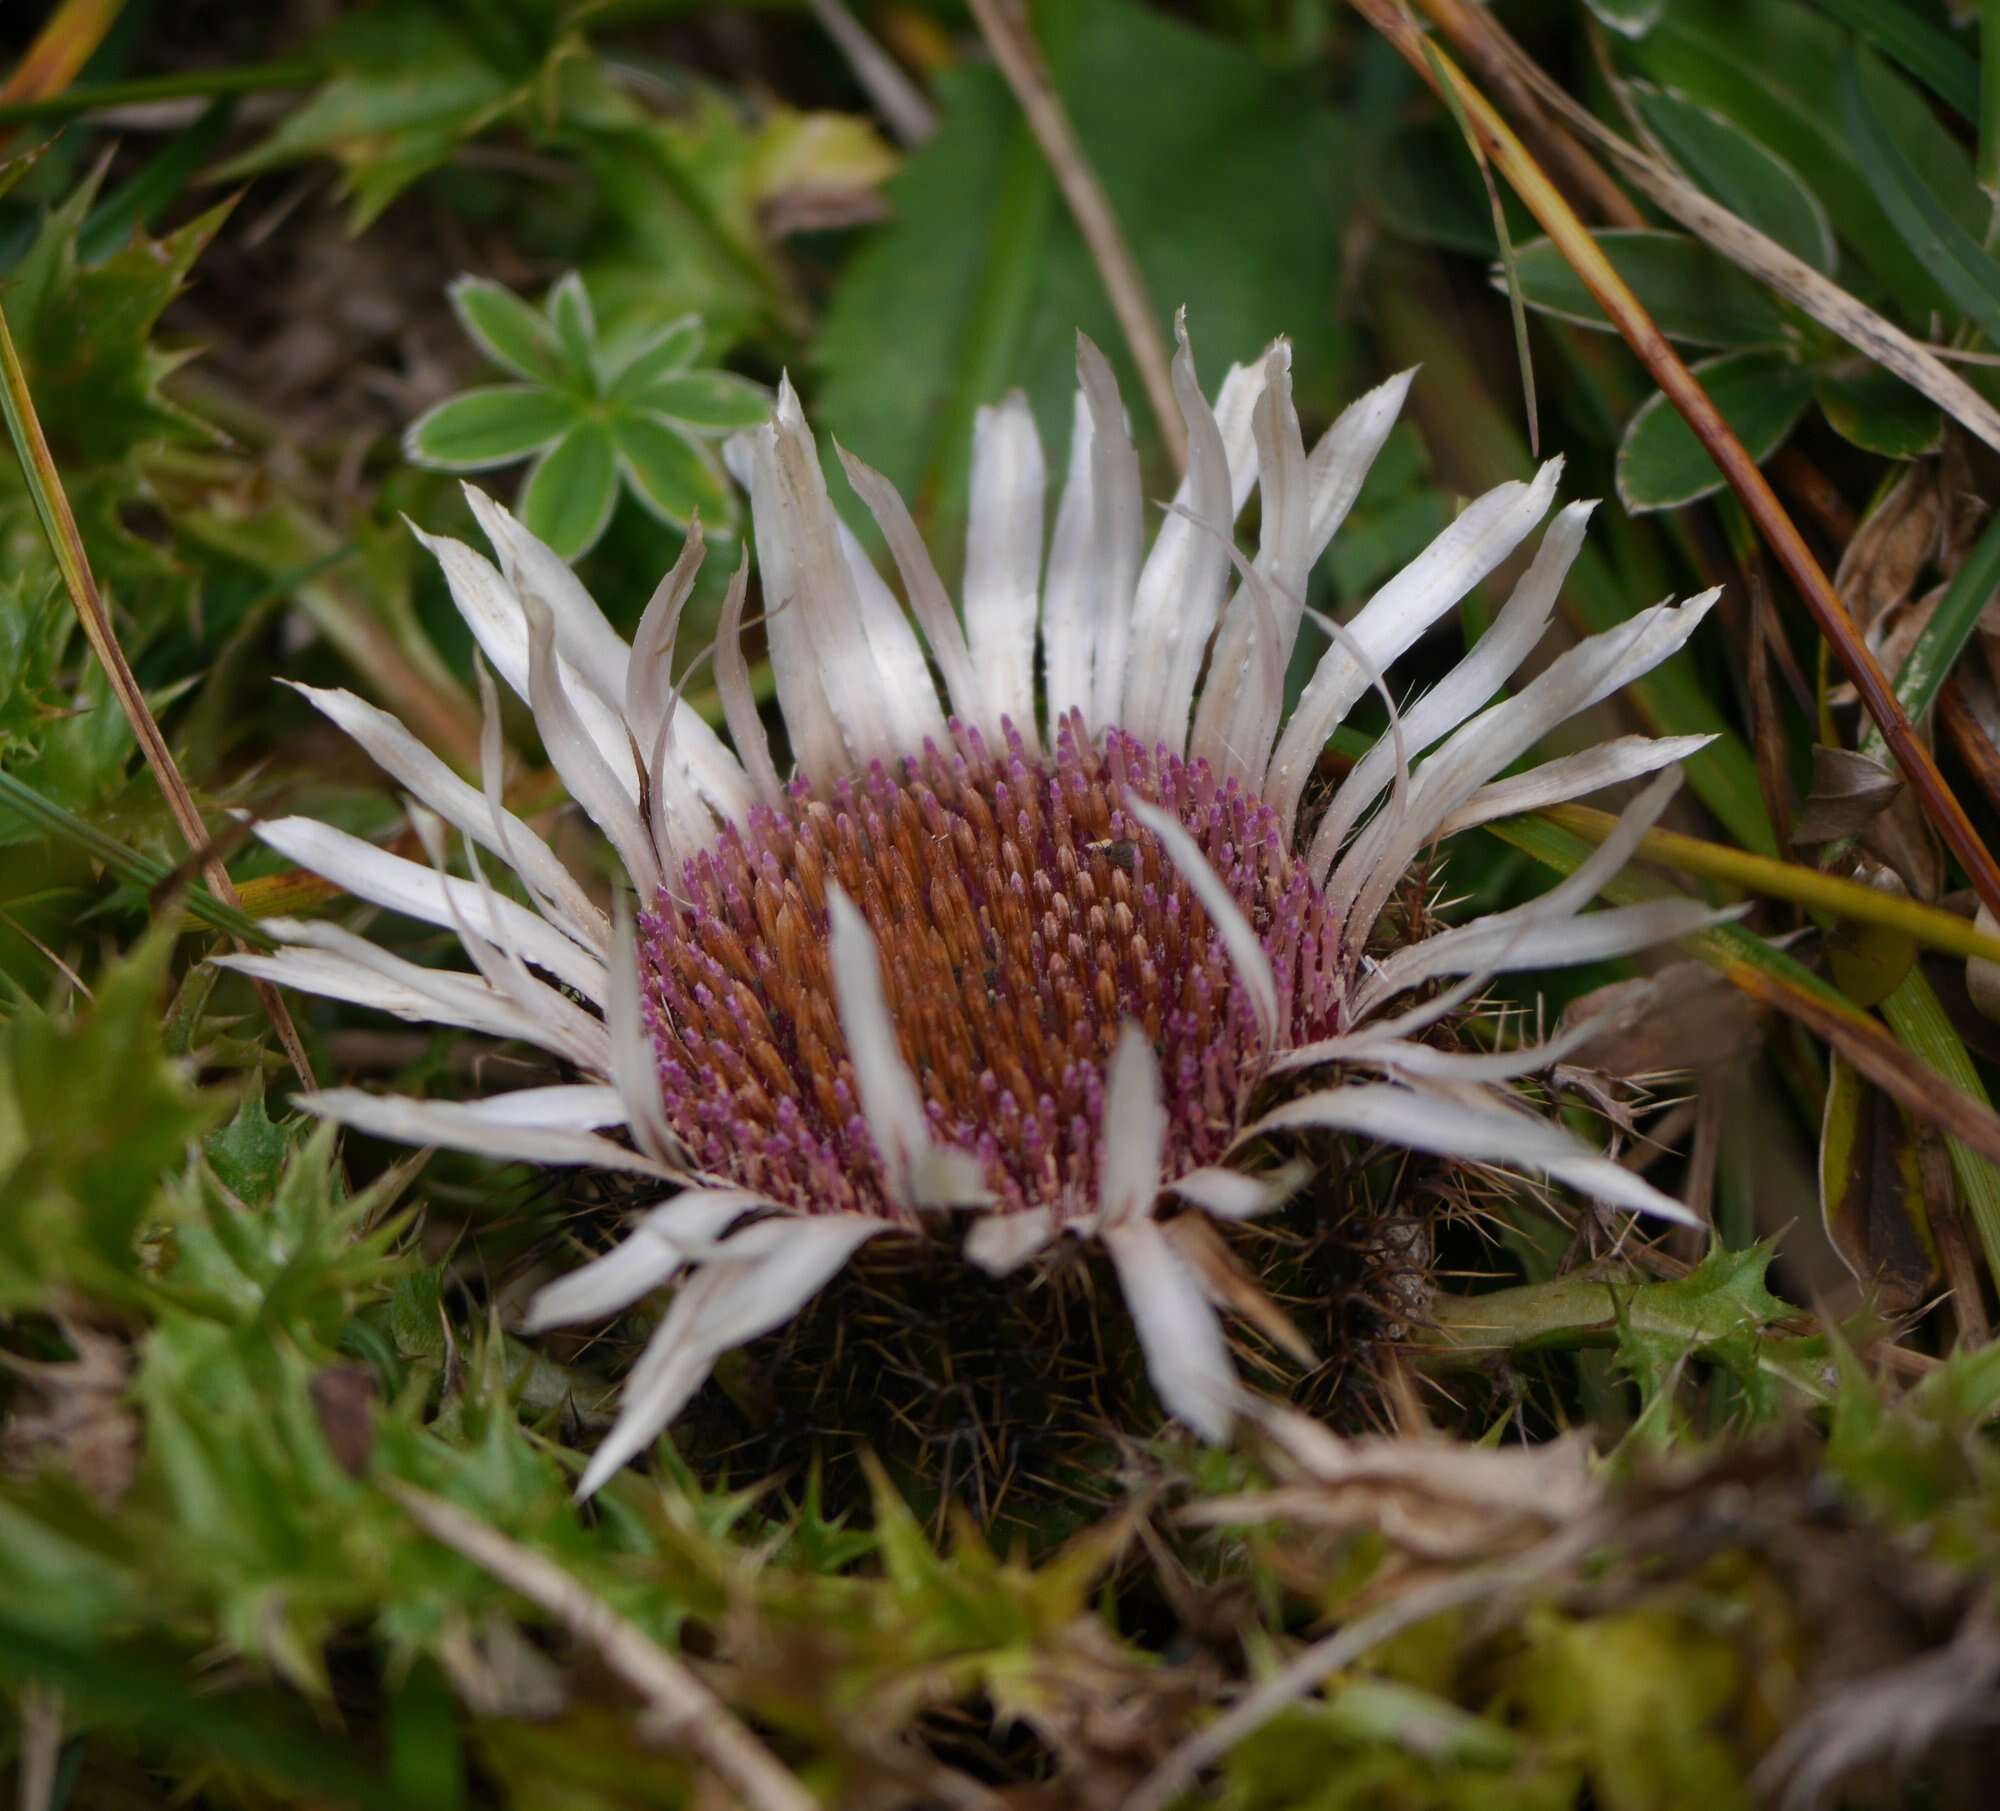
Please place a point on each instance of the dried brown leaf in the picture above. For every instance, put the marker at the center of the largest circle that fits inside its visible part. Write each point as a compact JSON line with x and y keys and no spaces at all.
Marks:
{"x":1849,"y":791}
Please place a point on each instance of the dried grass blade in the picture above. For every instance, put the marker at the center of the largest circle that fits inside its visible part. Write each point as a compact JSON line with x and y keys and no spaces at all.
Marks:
{"x":1717,"y":438}
{"x":44,"y":482}
{"x":684,"y":1709}
{"x":1005,"y":28}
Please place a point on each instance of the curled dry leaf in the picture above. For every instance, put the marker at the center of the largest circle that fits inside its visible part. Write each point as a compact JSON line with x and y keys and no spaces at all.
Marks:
{"x":1896,"y":569}
{"x":343,"y":1399}
{"x":1849,"y":791}
{"x":1693,"y":1019}
{"x":1229,"y":1285}
{"x":1898,"y":538}
{"x":1982,"y":978}
{"x":499,"y":1672}
{"x":1896,"y":1715}
{"x":1870,"y":1186}
{"x":1438,"y":1501}
{"x":76,"y":1416}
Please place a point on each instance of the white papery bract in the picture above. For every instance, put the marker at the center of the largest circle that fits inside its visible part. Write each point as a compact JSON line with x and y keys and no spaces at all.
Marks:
{"x":1046,"y":900}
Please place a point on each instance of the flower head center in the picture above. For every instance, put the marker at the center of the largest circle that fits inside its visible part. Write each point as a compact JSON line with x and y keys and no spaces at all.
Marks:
{"x":1022,"y":916}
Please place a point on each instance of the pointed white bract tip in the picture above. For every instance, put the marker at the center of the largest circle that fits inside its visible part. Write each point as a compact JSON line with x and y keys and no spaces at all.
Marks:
{"x":429,"y":542}
{"x":892,"y":1105}
{"x":789,"y":413}
{"x":1135,"y":1131}
{"x":999,"y":1243}
{"x":943,"y":1176}
{"x":1181,"y":329}
{"x":1187,"y":1358}
{"x":1245,"y":949}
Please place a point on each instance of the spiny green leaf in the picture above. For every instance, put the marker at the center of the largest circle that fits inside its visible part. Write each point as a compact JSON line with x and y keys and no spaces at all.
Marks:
{"x":92,"y":1117}
{"x":248,"y":1154}
{"x":406,"y":94}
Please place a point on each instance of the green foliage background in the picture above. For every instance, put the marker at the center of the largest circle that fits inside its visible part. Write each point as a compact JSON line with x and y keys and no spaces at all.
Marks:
{"x":228,"y":1342}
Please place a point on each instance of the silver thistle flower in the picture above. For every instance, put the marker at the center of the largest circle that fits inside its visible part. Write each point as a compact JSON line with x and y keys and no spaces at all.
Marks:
{"x":1029,"y":950}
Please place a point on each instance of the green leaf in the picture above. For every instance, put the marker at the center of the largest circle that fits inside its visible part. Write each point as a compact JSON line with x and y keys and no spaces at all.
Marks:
{"x":1232,"y":182}
{"x":1922,"y":1027}
{"x":1773,"y":67}
{"x":248,"y":1154}
{"x":1420,"y":183}
{"x":575,"y":330}
{"x":1953,"y":256}
{"x":92,"y":1115}
{"x":662,"y":354}
{"x":1871,"y":1190}
{"x":1927,"y":53}
{"x":411,"y":85}
{"x":669,"y":473}
{"x":712,"y":401}
{"x":510,"y":333}
{"x":1660,"y":463}
{"x":1878,"y":412}
{"x":1750,"y":180}
{"x":568,"y":497}
{"x":1629,"y":18}
{"x":1695,"y":294}
{"x":1936,"y":650}
{"x":481,"y":428}
{"x":85,"y":335}
{"x":1723,"y":1309}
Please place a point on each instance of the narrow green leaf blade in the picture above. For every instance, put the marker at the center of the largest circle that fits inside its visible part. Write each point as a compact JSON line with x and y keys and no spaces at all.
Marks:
{"x":1958,"y":263}
{"x":1923,"y":50}
{"x":575,"y":329}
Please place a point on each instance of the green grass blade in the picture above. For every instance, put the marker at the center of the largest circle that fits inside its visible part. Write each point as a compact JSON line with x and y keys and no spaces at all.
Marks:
{"x":1922,"y":1028}
{"x":1935,"y":652}
{"x":143,"y":871}
{"x":1923,"y":50}
{"x":1957,"y":261}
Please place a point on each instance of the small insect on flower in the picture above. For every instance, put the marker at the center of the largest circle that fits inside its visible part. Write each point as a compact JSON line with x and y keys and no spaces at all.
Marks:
{"x":1042,"y":906}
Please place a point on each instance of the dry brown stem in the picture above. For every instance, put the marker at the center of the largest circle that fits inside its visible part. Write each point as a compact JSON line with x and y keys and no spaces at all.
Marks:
{"x":1020,"y":59}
